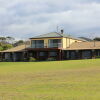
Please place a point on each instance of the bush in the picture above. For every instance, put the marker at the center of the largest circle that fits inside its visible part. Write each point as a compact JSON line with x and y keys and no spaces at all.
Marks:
{"x":7,"y":46}
{"x":1,"y":48}
{"x":51,"y":59}
{"x":32,"y":59}
{"x":97,"y":56}
{"x":5,"y":60}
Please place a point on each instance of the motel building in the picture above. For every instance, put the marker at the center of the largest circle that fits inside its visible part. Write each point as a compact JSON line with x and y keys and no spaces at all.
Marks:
{"x":53,"y":45}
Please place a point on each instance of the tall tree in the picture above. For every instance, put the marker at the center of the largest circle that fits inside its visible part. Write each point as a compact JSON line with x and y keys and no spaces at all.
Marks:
{"x":10,"y":39}
{"x":2,"y":39}
{"x":97,"y":39}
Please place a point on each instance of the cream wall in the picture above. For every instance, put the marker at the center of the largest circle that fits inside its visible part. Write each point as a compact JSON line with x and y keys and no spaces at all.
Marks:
{"x":70,"y":41}
{"x":66,"y":42}
{"x":46,"y":41}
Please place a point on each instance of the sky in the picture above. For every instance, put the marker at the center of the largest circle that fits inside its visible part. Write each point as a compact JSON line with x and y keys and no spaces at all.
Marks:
{"x":28,"y":18}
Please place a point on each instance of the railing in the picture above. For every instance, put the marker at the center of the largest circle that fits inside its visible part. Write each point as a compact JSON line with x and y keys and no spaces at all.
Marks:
{"x":51,"y":45}
{"x":35,"y":46}
{"x":38,"y":46}
{"x":55,"y":45}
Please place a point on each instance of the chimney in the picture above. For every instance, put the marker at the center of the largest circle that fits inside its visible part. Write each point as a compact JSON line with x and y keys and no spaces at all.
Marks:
{"x":62,"y":31}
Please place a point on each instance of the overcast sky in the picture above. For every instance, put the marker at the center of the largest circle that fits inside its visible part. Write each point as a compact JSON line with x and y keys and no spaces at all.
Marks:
{"x":26,"y":18}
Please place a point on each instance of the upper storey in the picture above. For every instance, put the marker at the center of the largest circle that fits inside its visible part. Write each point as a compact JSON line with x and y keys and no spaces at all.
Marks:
{"x":53,"y":40}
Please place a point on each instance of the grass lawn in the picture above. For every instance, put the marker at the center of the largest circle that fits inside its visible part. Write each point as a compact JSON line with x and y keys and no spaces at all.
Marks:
{"x":62,"y":80}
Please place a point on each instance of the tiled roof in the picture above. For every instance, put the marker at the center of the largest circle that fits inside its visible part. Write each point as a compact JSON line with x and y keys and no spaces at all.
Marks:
{"x":55,"y":35}
{"x":84,"y":46}
{"x":20,"y":48}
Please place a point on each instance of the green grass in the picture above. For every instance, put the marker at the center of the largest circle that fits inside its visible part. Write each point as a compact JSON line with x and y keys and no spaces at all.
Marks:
{"x":62,"y":80}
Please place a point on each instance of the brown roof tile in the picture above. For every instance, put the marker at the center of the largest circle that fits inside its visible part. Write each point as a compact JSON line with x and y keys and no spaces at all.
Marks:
{"x":84,"y":45}
{"x":16,"y":49}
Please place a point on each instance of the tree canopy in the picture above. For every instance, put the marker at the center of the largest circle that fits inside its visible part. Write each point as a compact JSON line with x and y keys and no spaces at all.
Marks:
{"x":97,"y":39}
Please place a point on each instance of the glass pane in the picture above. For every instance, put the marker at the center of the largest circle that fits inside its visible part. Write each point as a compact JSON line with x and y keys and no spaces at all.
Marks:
{"x":55,"y":43}
{"x":33,"y":44}
{"x":53,"y":53}
{"x":42,"y":53}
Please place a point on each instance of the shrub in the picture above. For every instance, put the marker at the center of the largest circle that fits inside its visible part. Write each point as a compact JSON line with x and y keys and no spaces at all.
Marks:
{"x":32,"y":59}
{"x":97,"y":56}
{"x":1,"y":48}
{"x":51,"y":59}
{"x":5,"y":60}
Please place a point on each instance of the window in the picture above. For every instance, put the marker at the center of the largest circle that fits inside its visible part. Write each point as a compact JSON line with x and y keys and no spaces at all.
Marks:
{"x":53,"y":53}
{"x":98,"y":53}
{"x":37,"y":44}
{"x":42,"y":54}
{"x":55,"y":43}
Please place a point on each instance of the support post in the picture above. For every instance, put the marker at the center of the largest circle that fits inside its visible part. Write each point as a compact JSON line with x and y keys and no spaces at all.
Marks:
{"x":60,"y":56}
{"x":93,"y":54}
{"x":37,"y":55}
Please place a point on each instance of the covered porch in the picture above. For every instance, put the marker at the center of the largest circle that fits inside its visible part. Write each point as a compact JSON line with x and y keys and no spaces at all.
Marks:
{"x":81,"y":54}
{"x":45,"y":53}
{"x":15,"y":54}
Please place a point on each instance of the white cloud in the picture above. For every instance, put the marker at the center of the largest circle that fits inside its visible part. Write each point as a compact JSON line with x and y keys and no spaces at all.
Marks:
{"x":23,"y":18}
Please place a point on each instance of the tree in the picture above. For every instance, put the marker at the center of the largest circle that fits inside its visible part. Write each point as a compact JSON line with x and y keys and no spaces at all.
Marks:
{"x":20,"y":42}
{"x":7,"y":46}
{"x":1,"y":48}
{"x":2,"y":39}
{"x":97,"y":39}
{"x":10,"y":39}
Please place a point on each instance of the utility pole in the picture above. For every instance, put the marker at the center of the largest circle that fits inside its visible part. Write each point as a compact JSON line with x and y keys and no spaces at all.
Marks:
{"x":93,"y":35}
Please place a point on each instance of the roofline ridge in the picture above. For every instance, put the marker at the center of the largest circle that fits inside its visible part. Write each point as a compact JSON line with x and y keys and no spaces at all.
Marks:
{"x":60,"y":34}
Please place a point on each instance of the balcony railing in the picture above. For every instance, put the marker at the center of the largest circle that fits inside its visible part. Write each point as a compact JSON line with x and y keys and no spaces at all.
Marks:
{"x":51,"y":45}
{"x":55,"y":45}
{"x":37,"y":46}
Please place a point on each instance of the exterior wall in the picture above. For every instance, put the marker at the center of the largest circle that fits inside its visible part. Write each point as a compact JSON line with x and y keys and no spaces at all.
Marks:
{"x":70,"y":41}
{"x":78,"y":54}
{"x":46,"y":41}
{"x":47,"y":53}
{"x":66,"y":42}
{"x":55,"y":54}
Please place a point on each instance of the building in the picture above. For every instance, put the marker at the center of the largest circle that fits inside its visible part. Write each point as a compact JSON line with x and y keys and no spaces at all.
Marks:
{"x":58,"y":46}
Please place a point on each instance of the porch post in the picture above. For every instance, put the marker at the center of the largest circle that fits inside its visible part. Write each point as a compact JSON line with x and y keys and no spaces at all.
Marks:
{"x":1,"y":56}
{"x":93,"y":54}
{"x":48,"y":54}
{"x":23,"y":56}
{"x":60,"y":56}
{"x":78,"y":54}
{"x":37,"y":55}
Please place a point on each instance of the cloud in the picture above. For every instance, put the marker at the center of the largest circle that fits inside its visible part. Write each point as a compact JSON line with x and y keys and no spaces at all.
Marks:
{"x":26,"y":18}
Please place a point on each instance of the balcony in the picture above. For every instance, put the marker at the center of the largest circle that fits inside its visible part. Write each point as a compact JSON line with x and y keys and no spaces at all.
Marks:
{"x":37,"y":45}
{"x":55,"y":45}
{"x":51,"y":45}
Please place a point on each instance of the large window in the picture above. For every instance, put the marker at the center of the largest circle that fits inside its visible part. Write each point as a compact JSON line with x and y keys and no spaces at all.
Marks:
{"x":98,"y":53}
{"x":42,"y":54}
{"x":86,"y":54}
{"x":55,"y":43}
{"x":53,"y":53}
{"x":37,"y":43}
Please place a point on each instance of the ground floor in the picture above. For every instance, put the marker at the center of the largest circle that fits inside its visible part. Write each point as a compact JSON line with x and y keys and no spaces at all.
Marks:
{"x":46,"y":54}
